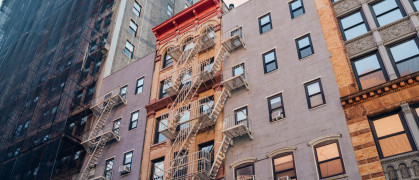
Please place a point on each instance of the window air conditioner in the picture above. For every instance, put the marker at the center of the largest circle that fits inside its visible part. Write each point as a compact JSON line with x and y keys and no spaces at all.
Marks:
{"x":284,"y":178}
{"x":124,"y":169}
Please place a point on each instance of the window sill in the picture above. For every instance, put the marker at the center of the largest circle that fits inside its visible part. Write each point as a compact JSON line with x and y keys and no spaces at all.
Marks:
{"x":317,"y":107}
{"x":158,"y":144}
{"x":283,"y":119}
{"x":336,"y":177}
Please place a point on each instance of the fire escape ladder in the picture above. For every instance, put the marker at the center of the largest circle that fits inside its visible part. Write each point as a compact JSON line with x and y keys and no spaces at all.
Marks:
{"x":94,"y":157}
{"x":227,"y":141}
{"x":220,"y":104}
{"x":102,"y":118}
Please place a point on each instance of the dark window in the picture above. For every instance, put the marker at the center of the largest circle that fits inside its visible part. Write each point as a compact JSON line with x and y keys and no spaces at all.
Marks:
{"x":116,"y":126}
{"x":128,"y":159}
{"x":139,"y":87}
{"x":133,"y":28}
{"x":387,"y":11}
{"x":123,"y":91}
{"x":265,"y":23}
{"x":238,"y":70}
{"x":240,"y":116}
{"x":276,"y":108}
{"x":329,"y":159}
{"x":188,"y":44}
{"x":190,"y":1}
{"x":269,"y":61}
{"x":237,"y":31}
{"x":163,"y":87}
{"x":391,"y":135}
{"x":284,"y":166}
{"x":296,"y":8}
{"x":129,"y":49}
{"x":207,"y":147}
{"x":245,"y":172}
{"x":334,"y":1}
{"x":168,"y":60}
{"x":314,"y":92}
{"x":134,"y":120}
{"x":157,"y":169}
{"x":108,"y":168}
{"x":304,"y":46}
{"x":206,"y":105}
{"x":405,"y":56}
{"x":161,"y":123}
{"x":415,"y":4}
{"x":353,"y":25}
{"x":136,"y":9}
{"x":369,"y":71}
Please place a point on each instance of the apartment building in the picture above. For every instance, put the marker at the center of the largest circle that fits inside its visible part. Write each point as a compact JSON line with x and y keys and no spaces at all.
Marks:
{"x":374,"y":49}
{"x":284,"y":112}
{"x":133,"y":28}
{"x":184,"y":117}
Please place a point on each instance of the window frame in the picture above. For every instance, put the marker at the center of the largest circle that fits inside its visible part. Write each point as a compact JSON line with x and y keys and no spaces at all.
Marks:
{"x":292,"y":11}
{"x":382,"y":67}
{"x":236,"y":122}
{"x":156,"y":130}
{"x":405,"y":127}
{"x":393,"y":62}
{"x":328,"y":160}
{"x":133,"y":49}
{"x":364,"y":21}
{"x":243,"y":166}
{"x":153,"y":162}
{"x":131,"y":122}
{"x":167,"y":10}
{"x":165,"y":64}
{"x":139,"y":11}
{"x":126,"y":90}
{"x":130,"y":163}
{"x":270,"y":106}
{"x":262,"y":25}
{"x":236,"y":67}
{"x":109,"y":170}
{"x":274,"y":61}
{"x":399,"y":6}
{"x":321,"y":92}
{"x":413,"y":5}
{"x":163,"y":93}
{"x":138,"y":87}
{"x":280,"y":156}
{"x":114,"y":128}
{"x":133,"y":31}
{"x":299,"y":49}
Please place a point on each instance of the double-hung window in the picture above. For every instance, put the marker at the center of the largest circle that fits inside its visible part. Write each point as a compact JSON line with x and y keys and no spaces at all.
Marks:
{"x":136,"y":9}
{"x":163,"y":87}
{"x":157,"y":169}
{"x":109,"y":168}
{"x":265,"y":23}
{"x":387,"y":11}
{"x":334,"y":1}
{"x":140,"y":85}
{"x":128,"y":159}
{"x":391,"y":135}
{"x":123,"y":91}
{"x":353,"y":25}
{"x":134,"y":120}
{"x":161,"y":124}
{"x":237,"y":31}
{"x":405,"y":57}
{"x":245,"y":172}
{"x":168,"y":60}
{"x":314,"y":93}
{"x":169,"y":10}
{"x":133,"y":28}
{"x":284,"y":166}
{"x":304,"y":46}
{"x":329,"y":159}
{"x":240,"y":116}
{"x":239,"y":70}
{"x":296,"y":8}
{"x":116,"y":126}
{"x":276,"y":108}
{"x":129,"y":49}
{"x":269,"y":61}
{"x":415,"y":4}
{"x":369,"y":71}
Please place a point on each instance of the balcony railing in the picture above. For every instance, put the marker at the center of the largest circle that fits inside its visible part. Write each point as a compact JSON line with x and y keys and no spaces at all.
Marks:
{"x":99,"y":103}
{"x":197,"y":164}
{"x":235,"y":127}
{"x":234,"y":82}
{"x":404,"y":166}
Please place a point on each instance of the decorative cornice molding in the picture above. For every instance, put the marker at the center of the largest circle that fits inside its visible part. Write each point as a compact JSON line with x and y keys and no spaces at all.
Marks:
{"x":243,"y":161}
{"x":324,"y":139}
{"x":280,"y":151}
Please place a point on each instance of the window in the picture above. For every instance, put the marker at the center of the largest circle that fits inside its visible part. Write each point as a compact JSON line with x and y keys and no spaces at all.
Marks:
{"x":168,"y":60}
{"x":329,"y":159}
{"x":369,"y":71}
{"x":129,"y":49}
{"x":296,"y":8}
{"x":169,"y":10}
{"x":314,"y":92}
{"x":206,"y":65}
{"x":188,"y":44}
{"x":245,"y":172}
{"x":304,"y":46}
{"x":405,"y":57}
{"x":386,"y":12}
{"x":265,"y":23}
{"x":123,"y":91}
{"x":128,"y":159}
{"x":139,"y":87}
{"x":116,"y":126}
{"x":157,"y":169}
{"x":391,"y":135}
{"x":207,"y":147}
{"x":136,"y":9}
{"x":237,"y":31}
{"x":161,"y":124}
{"x":353,"y":25}
{"x":108,"y":168}
{"x":184,"y":117}
{"x":134,"y":120}
{"x":133,"y":28}
{"x":190,"y":1}
{"x":334,"y":1}
{"x":238,"y":70}
{"x":284,"y":166}
{"x":240,"y":116}
{"x":186,"y":78}
{"x":206,"y":105}
{"x":163,"y":87}
{"x":269,"y":61}
{"x":415,"y":4}
{"x":276,"y":108}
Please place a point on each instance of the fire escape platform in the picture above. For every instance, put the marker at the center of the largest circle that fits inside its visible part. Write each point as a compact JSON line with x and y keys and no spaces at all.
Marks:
{"x":235,"y":83}
{"x":117,"y":99}
{"x":237,"y":131}
{"x":108,"y":135}
{"x":233,"y":43}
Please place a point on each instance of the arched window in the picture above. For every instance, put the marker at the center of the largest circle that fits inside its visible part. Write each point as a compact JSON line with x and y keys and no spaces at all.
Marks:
{"x":168,"y":60}
{"x":210,"y":31}
{"x":392,"y":173}
{"x":188,"y":44}
{"x":415,"y":167}
{"x":404,"y":170}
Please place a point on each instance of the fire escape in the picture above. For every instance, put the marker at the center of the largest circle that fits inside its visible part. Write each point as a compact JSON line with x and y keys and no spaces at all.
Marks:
{"x":188,"y":116}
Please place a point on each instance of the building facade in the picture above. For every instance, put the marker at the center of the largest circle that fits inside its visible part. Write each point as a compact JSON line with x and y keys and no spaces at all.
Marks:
{"x":288,"y":100}
{"x":184,"y":120}
{"x":374,"y":50}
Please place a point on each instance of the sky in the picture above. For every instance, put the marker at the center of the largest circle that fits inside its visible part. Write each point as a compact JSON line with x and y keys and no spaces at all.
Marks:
{"x":235,"y":2}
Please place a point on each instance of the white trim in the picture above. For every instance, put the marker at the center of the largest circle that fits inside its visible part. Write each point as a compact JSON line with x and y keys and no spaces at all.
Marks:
{"x":270,"y":49}
{"x":243,"y":161}
{"x":304,"y":34}
{"x":277,"y":93}
{"x":324,"y":139}
{"x":305,"y":82}
{"x":112,"y":157}
{"x":246,"y":105}
{"x":280,"y":151}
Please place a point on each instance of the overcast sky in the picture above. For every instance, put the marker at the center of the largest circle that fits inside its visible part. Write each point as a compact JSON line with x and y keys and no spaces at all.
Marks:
{"x":235,"y":2}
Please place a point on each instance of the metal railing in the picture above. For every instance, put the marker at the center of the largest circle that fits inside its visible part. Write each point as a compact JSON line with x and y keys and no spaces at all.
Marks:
{"x":101,"y":101}
{"x":108,"y":129}
{"x":232,"y":121}
{"x":97,"y":173}
{"x":189,"y":165}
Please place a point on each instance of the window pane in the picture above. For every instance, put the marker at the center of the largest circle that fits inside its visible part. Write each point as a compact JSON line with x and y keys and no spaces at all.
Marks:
{"x":316,"y":100}
{"x":298,"y":12}
{"x":395,"y":145}
{"x":389,"y":17}
{"x":290,"y":173}
{"x":129,"y":46}
{"x":128,"y":158}
{"x":313,"y":88}
{"x":355,"y":31}
{"x":264,"y":20}
{"x":327,"y":152}
{"x":306,"y":52}
{"x":384,"y":6}
{"x":416,"y":4}
{"x":241,"y":115}
{"x":296,"y":4}
{"x":331,"y":168}
{"x":134,"y":116}
{"x":276,"y":113}
{"x":270,"y":67}
{"x":238,"y":70}
{"x":404,"y":50}
{"x":408,"y":67}
{"x":269,"y":57}
{"x":266,"y":28}
{"x":133,"y":26}
{"x":284,"y":163}
{"x":372,"y":79}
{"x":140,"y":82}
{"x":275,"y":102}
{"x":351,"y":20}
{"x":367,"y":64}
{"x":303,"y":42}
{"x":388,"y":125}
{"x":248,"y":170}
